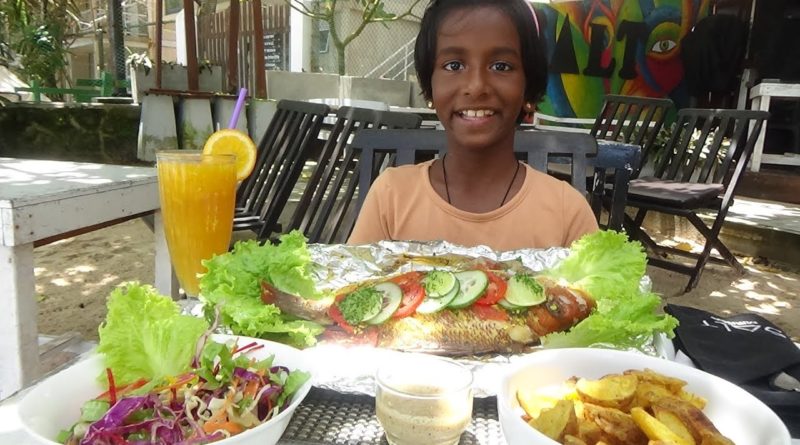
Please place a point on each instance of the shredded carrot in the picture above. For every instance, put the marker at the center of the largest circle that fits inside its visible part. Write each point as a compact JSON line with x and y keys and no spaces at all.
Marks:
{"x":223,"y":411}
{"x":231,"y":427}
{"x":251,"y":389}
{"x":122,"y":389}
{"x":112,"y":391}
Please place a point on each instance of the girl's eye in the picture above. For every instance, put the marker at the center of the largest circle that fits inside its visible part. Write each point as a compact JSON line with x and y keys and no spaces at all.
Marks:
{"x":501,"y":66}
{"x":453,"y":66}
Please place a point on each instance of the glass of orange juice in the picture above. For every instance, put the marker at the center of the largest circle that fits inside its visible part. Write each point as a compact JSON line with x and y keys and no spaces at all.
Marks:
{"x":198,"y":195}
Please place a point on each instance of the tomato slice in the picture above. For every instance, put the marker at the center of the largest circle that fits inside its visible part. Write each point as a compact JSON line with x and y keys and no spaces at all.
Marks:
{"x":336,"y":315}
{"x":495,"y":290}
{"x":413,"y":293}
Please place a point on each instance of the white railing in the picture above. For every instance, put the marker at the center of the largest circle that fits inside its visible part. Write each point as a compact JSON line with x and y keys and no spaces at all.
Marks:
{"x":397,"y":65}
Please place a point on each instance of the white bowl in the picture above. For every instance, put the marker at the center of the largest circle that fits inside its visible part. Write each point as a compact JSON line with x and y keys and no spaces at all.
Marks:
{"x":737,"y":414}
{"x":55,"y":404}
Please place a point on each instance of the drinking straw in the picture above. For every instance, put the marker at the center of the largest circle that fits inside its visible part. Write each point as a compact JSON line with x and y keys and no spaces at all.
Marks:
{"x":238,"y":108}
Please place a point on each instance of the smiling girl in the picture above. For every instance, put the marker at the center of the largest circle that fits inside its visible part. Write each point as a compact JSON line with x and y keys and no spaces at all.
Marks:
{"x":481,"y":64}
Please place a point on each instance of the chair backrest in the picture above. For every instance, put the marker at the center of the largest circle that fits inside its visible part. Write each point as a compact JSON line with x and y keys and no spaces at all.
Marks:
{"x":282,"y":152}
{"x":710,"y":146}
{"x":379,"y":149}
{"x":633,"y":120}
{"x":325,"y":212}
{"x":611,"y":191}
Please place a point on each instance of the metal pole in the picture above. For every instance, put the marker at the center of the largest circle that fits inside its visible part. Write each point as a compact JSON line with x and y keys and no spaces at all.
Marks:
{"x":117,"y":42}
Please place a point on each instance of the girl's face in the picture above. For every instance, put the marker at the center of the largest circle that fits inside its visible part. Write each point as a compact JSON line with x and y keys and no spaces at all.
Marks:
{"x":478,"y":82}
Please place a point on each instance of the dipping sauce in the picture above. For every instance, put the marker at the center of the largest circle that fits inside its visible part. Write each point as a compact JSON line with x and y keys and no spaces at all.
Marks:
{"x":424,"y":403}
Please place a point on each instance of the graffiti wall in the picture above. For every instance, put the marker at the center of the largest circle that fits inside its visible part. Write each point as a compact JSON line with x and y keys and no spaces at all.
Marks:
{"x":630,"y":47}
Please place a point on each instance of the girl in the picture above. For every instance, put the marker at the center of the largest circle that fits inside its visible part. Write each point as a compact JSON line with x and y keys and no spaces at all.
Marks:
{"x":481,"y":64}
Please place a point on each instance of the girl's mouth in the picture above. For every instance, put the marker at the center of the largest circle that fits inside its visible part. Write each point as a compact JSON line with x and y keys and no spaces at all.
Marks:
{"x":475,"y":114}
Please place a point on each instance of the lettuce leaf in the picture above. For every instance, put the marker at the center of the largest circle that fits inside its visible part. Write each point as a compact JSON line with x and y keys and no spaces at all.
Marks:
{"x":628,"y":322}
{"x":604,"y":264}
{"x":609,"y":267}
{"x":145,"y":336}
{"x":233,"y":283}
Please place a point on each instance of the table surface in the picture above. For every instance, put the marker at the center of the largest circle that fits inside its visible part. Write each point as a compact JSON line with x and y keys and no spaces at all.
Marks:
{"x":25,"y":181}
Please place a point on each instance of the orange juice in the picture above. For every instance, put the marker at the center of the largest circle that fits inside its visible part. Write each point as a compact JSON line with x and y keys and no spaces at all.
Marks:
{"x":198,"y":194}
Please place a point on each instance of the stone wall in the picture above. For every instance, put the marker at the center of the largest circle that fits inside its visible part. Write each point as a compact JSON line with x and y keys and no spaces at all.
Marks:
{"x":80,"y":132}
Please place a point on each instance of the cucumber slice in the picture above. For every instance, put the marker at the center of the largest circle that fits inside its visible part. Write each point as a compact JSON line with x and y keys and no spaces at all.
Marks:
{"x":523,"y":290}
{"x":439,"y":283}
{"x":392,"y":295}
{"x":508,"y":306}
{"x":472,"y":284}
{"x":361,"y":305}
{"x":431,"y":305}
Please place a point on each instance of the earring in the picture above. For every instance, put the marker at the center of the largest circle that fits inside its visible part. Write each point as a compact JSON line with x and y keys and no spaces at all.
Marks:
{"x":528,"y":106}
{"x":430,"y":104}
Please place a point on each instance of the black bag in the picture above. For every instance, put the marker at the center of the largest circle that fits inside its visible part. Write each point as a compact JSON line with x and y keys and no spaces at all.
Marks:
{"x":748,"y":350}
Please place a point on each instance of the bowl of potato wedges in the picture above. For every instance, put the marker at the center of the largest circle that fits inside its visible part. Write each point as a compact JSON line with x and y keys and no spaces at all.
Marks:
{"x":589,"y":396}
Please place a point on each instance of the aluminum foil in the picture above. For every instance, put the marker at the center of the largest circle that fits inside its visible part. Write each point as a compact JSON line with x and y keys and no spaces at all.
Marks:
{"x":351,"y":369}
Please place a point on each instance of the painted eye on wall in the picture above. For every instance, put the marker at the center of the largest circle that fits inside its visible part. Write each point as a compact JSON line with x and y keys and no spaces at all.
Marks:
{"x":663,"y":46}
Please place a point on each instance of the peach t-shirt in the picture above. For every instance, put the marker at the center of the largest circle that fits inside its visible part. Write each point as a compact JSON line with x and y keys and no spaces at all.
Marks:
{"x":402,"y":205}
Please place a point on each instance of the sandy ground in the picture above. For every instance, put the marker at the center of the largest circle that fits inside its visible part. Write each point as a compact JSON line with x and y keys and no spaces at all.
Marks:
{"x":74,"y":276}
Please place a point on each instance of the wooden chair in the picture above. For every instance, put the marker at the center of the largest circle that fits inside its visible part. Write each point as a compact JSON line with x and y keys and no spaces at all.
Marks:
{"x":697,"y":172}
{"x":282,"y":152}
{"x":325,"y":212}
{"x":633,"y":120}
{"x":613,"y":167}
{"x":383,"y":148}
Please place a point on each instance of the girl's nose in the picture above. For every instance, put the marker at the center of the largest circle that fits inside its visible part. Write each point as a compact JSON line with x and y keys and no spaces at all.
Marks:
{"x":476,"y":82}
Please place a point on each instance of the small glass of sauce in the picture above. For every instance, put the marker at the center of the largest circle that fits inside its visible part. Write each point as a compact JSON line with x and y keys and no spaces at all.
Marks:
{"x":423,"y":399}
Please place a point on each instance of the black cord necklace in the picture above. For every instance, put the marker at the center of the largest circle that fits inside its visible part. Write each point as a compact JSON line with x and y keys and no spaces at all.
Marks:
{"x":447,"y":189}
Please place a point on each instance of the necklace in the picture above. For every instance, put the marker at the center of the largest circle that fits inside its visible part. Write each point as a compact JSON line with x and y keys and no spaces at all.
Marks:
{"x":447,"y":189}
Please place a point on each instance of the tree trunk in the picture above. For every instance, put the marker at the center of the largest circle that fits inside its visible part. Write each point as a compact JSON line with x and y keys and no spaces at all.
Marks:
{"x":340,"y":50}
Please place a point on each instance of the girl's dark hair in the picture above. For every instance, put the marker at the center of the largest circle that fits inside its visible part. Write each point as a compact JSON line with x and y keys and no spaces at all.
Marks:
{"x":534,"y":61}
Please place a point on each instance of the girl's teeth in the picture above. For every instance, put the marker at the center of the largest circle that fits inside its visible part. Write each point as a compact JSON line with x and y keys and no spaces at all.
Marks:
{"x":476,"y":113}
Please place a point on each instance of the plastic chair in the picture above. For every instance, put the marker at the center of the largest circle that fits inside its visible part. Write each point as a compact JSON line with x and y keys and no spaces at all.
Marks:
{"x":633,"y":120}
{"x":324,"y":212}
{"x":697,"y":172}
{"x":282,"y":152}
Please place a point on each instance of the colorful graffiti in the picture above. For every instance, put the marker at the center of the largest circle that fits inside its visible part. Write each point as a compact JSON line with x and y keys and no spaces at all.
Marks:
{"x":630,"y":47}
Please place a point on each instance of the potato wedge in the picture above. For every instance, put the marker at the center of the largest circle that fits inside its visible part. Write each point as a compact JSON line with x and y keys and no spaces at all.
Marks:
{"x":648,"y":375}
{"x":589,"y":432}
{"x":711,"y":438}
{"x":557,"y":421}
{"x":648,"y":392}
{"x":661,"y":442}
{"x":612,"y":391}
{"x":691,"y":416}
{"x":653,"y":428}
{"x":674,"y":423}
{"x":569,"y":439}
{"x":618,"y":426}
{"x":692,"y":398}
{"x":533,"y":401}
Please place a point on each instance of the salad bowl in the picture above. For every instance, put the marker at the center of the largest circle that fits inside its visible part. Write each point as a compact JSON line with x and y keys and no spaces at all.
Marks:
{"x":734,"y":412}
{"x":55,"y":404}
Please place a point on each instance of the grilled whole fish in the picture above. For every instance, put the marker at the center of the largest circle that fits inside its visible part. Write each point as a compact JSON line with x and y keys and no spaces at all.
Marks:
{"x":469,"y":331}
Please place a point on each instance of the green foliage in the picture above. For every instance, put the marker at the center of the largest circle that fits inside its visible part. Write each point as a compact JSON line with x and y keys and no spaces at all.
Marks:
{"x":38,"y":31}
{"x":372,"y":11}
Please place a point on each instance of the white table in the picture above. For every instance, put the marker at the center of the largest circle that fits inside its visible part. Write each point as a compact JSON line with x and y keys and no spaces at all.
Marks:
{"x":41,"y":201}
{"x":760,"y":96}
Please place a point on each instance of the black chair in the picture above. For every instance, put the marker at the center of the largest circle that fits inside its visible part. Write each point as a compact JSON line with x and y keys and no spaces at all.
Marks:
{"x":325,"y":213}
{"x":379,"y":149}
{"x":282,"y":152}
{"x":633,"y":120}
{"x":698,"y":171}
{"x":613,"y":167}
